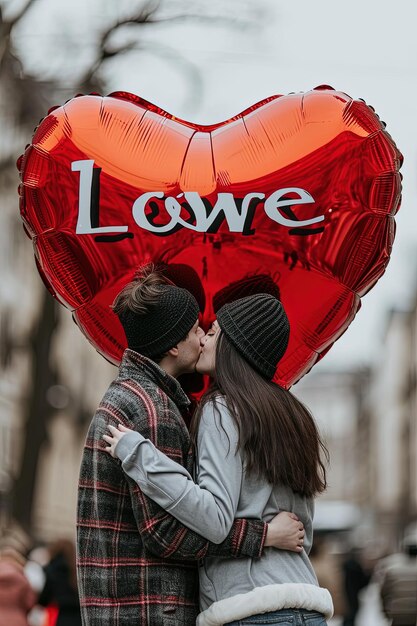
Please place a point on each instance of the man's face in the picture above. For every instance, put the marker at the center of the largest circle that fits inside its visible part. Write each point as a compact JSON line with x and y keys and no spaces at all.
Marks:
{"x":189,"y":350}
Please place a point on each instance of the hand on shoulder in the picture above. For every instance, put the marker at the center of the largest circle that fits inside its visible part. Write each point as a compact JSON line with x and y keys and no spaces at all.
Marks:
{"x":115,"y":436}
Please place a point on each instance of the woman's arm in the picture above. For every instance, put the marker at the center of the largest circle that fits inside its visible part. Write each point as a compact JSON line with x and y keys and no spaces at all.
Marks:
{"x":209,"y":507}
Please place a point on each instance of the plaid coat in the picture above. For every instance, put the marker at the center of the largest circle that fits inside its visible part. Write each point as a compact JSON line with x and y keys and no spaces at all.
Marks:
{"x":136,"y":563}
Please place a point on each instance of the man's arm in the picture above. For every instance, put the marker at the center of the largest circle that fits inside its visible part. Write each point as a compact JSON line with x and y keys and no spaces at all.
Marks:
{"x":166,"y":537}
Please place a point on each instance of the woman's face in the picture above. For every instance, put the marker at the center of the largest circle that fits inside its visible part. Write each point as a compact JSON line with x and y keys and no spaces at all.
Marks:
{"x":206,"y":364}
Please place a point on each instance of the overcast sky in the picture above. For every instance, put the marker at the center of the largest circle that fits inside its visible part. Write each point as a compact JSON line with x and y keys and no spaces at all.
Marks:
{"x":366,"y":48}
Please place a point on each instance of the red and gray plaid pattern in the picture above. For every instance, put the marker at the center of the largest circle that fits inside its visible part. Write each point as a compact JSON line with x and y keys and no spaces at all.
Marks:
{"x":136,"y":563}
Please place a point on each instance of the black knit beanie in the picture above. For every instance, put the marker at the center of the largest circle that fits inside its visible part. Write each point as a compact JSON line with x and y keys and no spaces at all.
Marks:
{"x":167,"y":322}
{"x":258,"y":328}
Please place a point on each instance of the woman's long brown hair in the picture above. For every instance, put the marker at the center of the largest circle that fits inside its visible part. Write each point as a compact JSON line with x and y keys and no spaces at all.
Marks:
{"x":277,"y":433}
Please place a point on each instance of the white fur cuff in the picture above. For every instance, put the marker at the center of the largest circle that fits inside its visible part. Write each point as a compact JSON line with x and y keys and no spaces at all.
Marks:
{"x":266,"y":599}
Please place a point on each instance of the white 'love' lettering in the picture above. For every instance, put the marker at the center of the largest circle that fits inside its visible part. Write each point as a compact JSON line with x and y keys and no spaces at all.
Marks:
{"x":238,"y":213}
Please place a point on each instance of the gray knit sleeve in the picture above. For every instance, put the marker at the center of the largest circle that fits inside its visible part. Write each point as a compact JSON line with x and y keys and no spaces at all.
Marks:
{"x":208,"y":507}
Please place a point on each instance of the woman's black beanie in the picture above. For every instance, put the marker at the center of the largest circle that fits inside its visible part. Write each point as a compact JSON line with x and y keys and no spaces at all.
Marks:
{"x":258,"y":328}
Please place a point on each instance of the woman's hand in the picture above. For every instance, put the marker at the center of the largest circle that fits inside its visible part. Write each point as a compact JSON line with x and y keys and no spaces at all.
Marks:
{"x":286,"y":532}
{"x":114,"y":438}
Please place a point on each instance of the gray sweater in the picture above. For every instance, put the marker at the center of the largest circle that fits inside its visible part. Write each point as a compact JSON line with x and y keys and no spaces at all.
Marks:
{"x":224,"y":491}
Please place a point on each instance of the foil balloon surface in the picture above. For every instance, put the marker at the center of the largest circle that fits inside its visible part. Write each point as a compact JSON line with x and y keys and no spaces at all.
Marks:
{"x":294,"y":196}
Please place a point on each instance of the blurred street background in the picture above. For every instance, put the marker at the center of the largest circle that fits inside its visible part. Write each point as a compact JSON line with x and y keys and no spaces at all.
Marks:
{"x":205,"y":62}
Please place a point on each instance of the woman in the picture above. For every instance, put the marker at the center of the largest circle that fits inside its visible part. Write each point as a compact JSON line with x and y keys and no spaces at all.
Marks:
{"x":60,"y":590}
{"x":17,"y":597}
{"x":258,"y":452}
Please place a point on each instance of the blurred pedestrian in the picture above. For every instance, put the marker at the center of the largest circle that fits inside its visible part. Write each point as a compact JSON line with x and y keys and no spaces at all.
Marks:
{"x":397,"y":577}
{"x":16,"y":595}
{"x":217,"y":243}
{"x":60,"y":592}
{"x":37,"y":559}
{"x":355,"y":578}
{"x":326,"y":564}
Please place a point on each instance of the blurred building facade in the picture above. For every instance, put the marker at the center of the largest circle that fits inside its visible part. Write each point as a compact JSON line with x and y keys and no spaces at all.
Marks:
{"x":368,"y":418}
{"x":50,"y":377}
{"x":86,"y":375}
{"x":82,"y":376}
{"x":338,"y":400}
{"x":391,"y":412}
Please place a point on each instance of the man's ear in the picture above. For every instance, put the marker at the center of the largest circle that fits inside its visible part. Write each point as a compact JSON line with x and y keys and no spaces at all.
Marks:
{"x":173,"y":351}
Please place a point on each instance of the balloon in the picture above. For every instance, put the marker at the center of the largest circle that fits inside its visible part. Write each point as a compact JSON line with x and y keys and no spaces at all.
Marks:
{"x":298,"y":194}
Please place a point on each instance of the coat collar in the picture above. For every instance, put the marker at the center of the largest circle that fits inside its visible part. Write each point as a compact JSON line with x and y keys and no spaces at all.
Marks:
{"x":140,"y":368}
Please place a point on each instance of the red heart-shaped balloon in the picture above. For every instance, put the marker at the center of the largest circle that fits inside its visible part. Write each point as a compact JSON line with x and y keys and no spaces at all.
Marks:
{"x":301,"y":189}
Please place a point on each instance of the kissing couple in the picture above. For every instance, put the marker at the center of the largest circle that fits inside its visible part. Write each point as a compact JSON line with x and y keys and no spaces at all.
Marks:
{"x":213,"y":525}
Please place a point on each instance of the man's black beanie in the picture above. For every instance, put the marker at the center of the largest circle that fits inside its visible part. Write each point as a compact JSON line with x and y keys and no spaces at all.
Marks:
{"x":167,"y":323}
{"x":258,"y":328}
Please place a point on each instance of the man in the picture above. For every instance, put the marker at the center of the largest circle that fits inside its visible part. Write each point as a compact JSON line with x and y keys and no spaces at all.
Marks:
{"x":355,"y":579}
{"x":397,"y":578}
{"x":136,"y":563}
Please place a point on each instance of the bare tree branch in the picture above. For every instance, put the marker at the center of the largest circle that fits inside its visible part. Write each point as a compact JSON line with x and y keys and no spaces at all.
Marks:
{"x":171,"y":55}
{"x":144,"y":16}
{"x":37,"y":409}
{"x":148,"y":16}
{"x":6,"y":27}
{"x":7,"y":163}
{"x":208,"y":19}
{"x":21,"y":13}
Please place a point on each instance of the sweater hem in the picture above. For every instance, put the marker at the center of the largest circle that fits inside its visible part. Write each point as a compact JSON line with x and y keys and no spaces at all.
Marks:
{"x":266,"y":599}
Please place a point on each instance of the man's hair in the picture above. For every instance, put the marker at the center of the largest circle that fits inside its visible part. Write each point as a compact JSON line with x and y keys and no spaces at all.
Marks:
{"x":142,"y":298}
{"x":142,"y":293}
